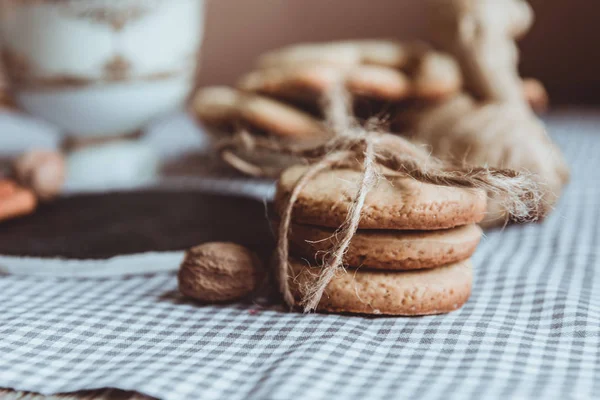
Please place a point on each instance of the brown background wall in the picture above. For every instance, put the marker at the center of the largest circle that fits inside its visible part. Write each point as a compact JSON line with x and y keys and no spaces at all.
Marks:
{"x":563,"y":49}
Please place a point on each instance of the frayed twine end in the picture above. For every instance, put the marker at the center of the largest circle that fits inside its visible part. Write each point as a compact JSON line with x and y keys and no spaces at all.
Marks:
{"x":353,"y":146}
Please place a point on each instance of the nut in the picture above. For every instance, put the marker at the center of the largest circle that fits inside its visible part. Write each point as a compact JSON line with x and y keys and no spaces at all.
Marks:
{"x":15,"y":201}
{"x":536,"y":95}
{"x":219,"y":272}
{"x":43,"y":171}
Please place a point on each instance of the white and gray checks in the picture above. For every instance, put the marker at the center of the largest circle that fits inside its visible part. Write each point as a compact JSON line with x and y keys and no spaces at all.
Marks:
{"x":530,"y":330}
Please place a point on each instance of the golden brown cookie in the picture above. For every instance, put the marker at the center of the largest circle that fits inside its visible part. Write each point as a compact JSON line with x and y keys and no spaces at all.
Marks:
{"x":230,"y":109}
{"x":307,"y":83}
{"x":409,"y":293}
{"x":386,"y":53}
{"x":393,"y":203}
{"x":373,"y":69}
{"x":389,"y":250}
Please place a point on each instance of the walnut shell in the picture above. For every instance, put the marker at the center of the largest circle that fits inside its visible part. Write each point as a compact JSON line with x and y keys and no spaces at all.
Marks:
{"x":219,"y":272}
{"x":43,"y":171}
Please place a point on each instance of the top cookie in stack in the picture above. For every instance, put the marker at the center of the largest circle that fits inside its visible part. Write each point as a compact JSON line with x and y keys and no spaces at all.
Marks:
{"x":282,"y":96}
{"x":409,"y":255}
{"x":381,"y":70}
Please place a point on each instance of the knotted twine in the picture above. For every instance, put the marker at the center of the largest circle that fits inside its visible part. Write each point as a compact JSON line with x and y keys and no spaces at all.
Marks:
{"x":376,"y":155}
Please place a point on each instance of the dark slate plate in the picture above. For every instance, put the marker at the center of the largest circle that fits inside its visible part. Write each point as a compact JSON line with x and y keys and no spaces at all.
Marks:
{"x":105,"y":225}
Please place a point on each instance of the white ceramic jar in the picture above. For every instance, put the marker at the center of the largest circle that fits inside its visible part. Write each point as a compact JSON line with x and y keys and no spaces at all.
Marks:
{"x":100,"y":68}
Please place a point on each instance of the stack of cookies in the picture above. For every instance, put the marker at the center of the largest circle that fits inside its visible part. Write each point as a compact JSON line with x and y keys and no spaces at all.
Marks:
{"x":410,"y":255}
{"x":281,"y":98}
{"x":225,"y":111}
{"x":379,"y":70}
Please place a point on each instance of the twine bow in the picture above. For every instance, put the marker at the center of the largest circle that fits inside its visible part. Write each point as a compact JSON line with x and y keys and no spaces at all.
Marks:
{"x":376,"y":155}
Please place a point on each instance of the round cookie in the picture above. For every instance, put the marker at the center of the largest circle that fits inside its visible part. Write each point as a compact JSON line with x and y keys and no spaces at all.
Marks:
{"x":412,"y":293}
{"x":393,"y":203}
{"x":310,"y":82}
{"x":378,"y":70}
{"x":374,"y":52}
{"x":227,"y":108}
{"x":389,"y":250}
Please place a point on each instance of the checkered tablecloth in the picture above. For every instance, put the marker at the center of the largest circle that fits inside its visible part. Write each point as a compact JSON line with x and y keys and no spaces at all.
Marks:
{"x":530,"y":330}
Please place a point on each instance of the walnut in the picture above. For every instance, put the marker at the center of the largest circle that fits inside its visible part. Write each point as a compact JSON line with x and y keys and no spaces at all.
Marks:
{"x":219,"y":272}
{"x":43,"y":171}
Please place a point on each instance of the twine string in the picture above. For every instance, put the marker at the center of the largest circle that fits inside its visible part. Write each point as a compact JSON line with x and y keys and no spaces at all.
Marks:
{"x":374,"y":153}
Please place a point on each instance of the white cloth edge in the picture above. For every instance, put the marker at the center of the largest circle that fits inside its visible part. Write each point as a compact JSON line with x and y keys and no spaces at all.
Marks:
{"x":118,"y":266}
{"x":141,"y":263}
{"x":255,"y":189}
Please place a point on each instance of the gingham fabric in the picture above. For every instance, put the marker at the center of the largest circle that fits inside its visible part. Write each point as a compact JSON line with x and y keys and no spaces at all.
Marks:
{"x":530,"y":330}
